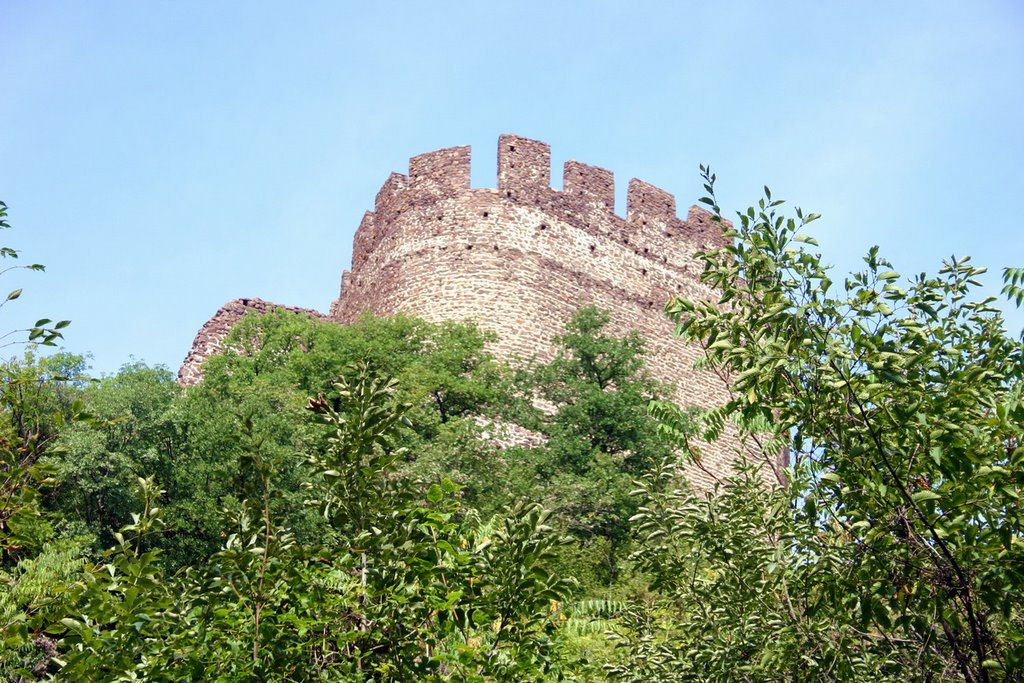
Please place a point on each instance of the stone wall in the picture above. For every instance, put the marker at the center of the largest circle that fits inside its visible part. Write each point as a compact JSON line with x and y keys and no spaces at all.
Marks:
{"x":519,"y":259}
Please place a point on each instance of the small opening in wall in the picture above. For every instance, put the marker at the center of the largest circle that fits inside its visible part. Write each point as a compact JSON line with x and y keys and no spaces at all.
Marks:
{"x":625,"y":240}
{"x":543,"y":226}
{"x":486,"y":214}
{"x":469,"y":246}
{"x":646,"y":250}
{"x":508,"y":193}
{"x":592,"y":248}
{"x":643,"y":271}
{"x":511,"y":148}
{"x":495,"y":247}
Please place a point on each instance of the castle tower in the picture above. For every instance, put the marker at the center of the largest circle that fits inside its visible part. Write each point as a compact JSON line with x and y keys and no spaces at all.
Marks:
{"x":521,"y":258}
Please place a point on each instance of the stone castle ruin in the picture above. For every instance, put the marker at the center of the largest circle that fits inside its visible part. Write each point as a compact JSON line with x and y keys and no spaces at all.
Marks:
{"x":519,"y":260}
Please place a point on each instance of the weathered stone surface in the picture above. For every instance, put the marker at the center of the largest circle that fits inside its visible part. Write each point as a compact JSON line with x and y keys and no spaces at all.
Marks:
{"x":520,"y":259}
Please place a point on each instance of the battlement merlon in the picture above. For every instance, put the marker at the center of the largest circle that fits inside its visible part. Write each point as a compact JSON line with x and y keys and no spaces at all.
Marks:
{"x":365,"y":233}
{"x":702,"y":226}
{"x":346,"y":283}
{"x":523,"y":165}
{"x":594,"y":185}
{"x":395,"y":183}
{"x":646,"y":203}
{"x":376,"y":222}
{"x":444,"y":172}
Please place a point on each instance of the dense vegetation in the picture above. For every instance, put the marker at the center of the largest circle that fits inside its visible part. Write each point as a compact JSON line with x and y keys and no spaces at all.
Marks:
{"x":386,"y":501}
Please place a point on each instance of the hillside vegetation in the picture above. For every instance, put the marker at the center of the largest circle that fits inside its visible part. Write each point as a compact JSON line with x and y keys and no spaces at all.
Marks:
{"x":386,"y":501}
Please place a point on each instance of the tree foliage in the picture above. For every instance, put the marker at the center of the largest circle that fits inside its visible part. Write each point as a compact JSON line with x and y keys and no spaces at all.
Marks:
{"x":590,"y":403}
{"x":44,"y":332}
{"x":895,"y":548}
{"x":403,"y":589}
{"x":343,"y":503}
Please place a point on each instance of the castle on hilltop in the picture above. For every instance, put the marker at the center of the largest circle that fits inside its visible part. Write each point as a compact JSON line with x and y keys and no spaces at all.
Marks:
{"x":519,"y":260}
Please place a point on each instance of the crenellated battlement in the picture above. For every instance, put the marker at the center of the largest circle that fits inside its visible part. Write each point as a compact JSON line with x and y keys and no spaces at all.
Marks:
{"x":587,"y":199}
{"x":434,"y":209}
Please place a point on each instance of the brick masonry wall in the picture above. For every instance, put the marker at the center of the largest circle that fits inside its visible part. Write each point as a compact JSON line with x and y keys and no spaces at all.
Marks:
{"x":519,"y":259}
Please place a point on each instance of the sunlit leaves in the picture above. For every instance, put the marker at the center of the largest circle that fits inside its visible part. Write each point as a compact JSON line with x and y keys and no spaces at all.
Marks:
{"x":899,"y":402}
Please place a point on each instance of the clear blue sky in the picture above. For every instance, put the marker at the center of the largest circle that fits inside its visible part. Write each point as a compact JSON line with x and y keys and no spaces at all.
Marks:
{"x":162,"y":158}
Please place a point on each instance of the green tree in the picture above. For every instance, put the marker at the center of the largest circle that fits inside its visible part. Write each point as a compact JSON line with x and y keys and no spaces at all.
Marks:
{"x":32,"y":405}
{"x":405,"y":588}
{"x":26,"y":413}
{"x":132,"y":434}
{"x":256,"y":391}
{"x":478,"y":597}
{"x":896,"y":549}
{"x":37,"y":397}
{"x":592,"y":410}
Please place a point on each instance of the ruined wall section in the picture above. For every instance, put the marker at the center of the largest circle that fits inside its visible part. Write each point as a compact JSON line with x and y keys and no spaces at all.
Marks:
{"x":521,"y":258}
{"x":210,"y":338}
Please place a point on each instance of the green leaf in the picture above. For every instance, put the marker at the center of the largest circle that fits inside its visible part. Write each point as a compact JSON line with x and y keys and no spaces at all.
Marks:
{"x":806,"y":239}
{"x":435,"y":494}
